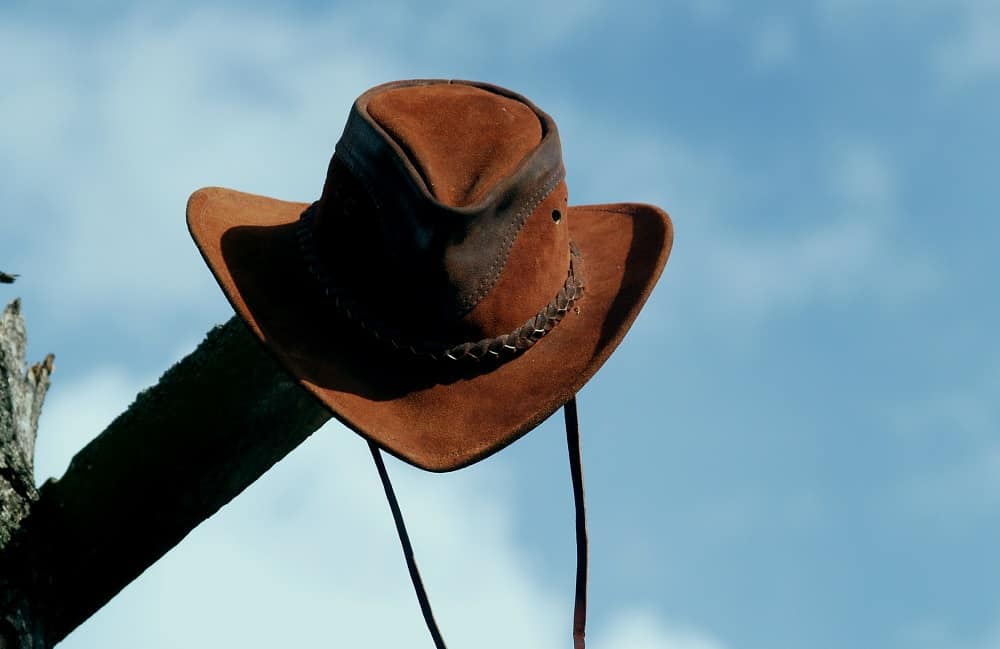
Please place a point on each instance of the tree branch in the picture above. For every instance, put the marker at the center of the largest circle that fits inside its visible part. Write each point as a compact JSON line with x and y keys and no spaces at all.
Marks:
{"x":212,"y":425}
{"x":22,"y":392}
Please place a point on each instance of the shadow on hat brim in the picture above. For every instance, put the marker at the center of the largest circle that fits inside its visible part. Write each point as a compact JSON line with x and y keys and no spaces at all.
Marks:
{"x":426,"y":414}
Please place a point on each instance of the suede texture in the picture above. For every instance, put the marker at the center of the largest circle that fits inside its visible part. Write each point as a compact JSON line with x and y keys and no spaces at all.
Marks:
{"x":462,"y":140}
{"x":438,"y":260}
{"x":534,"y":271}
{"x":437,"y":416}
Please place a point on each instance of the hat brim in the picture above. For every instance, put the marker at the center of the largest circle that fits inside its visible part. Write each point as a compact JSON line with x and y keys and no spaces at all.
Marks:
{"x":435,"y":419}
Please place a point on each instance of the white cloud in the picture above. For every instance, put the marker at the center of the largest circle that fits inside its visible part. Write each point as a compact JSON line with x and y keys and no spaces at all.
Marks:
{"x":973,"y":52}
{"x":849,"y":254}
{"x":958,"y":492}
{"x":960,"y":420}
{"x":308,"y":555}
{"x":772,"y":43}
{"x":114,"y":133}
{"x":642,"y":630}
{"x":710,"y":9}
{"x":939,"y":634}
{"x":845,"y":252}
{"x":962,"y":37}
{"x":114,"y":130}
{"x":967,"y":411}
{"x":853,"y":255}
{"x":841,"y":13}
{"x":835,"y":11}
{"x":767,"y":275}
{"x":863,"y":177}
{"x":110,"y":131}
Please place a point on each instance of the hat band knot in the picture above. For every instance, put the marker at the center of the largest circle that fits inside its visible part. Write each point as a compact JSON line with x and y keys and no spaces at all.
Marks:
{"x":497,"y":348}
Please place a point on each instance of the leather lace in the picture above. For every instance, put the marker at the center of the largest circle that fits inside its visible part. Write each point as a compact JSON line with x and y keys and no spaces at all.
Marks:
{"x":497,"y":348}
{"x":576,"y":473}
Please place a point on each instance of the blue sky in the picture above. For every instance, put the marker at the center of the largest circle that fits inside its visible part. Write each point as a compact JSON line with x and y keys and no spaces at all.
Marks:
{"x":796,"y":446}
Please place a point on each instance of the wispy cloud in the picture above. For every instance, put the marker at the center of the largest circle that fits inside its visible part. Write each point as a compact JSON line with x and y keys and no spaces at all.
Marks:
{"x":962,"y":37}
{"x":108,"y":129}
{"x":151,"y":111}
{"x":133,"y":122}
{"x":960,"y":421}
{"x":308,"y":555}
{"x":863,"y":177}
{"x":773,"y":43}
{"x":844,"y":252}
{"x":849,"y":253}
{"x":641,"y":630}
{"x":972,"y":52}
{"x":112,"y":130}
{"x":957,"y":493}
{"x":710,"y":9}
{"x":940,"y":634}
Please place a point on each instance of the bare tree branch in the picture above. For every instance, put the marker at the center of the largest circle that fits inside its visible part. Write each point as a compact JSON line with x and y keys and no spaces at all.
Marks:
{"x":212,"y":425}
{"x":22,"y":392}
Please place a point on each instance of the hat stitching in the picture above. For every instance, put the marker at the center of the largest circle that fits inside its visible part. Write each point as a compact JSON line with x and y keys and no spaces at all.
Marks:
{"x":496,"y":348}
{"x":347,"y":154}
{"x":487,"y":283}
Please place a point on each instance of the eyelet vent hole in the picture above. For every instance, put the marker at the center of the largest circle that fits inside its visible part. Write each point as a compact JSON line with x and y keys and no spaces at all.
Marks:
{"x":556,"y":215}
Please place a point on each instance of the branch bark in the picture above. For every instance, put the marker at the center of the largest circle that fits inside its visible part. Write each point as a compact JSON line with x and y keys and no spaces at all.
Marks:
{"x":22,"y":392}
{"x":211,"y":426}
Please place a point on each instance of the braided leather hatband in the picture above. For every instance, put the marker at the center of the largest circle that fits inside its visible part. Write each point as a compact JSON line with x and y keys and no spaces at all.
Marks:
{"x":488,"y":349}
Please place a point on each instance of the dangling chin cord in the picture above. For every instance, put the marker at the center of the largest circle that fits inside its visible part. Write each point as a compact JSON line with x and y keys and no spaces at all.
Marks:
{"x":404,"y":539}
{"x":576,"y":472}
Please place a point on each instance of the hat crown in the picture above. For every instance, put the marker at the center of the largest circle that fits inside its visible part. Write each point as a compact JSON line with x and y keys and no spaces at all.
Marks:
{"x":461,"y":140}
{"x":443,"y":208}
{"x":440,"y":414}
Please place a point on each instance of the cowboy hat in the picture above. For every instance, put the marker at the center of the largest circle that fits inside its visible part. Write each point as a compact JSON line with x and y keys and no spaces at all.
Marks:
{"x":441,"y":297}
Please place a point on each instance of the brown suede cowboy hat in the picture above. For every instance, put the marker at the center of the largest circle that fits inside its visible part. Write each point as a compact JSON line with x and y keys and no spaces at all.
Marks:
{"x":441,"y":298}
{"x":443,"y":222}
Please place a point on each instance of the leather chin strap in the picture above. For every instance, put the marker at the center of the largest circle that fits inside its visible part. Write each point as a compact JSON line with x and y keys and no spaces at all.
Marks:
{"x":576,"y":472}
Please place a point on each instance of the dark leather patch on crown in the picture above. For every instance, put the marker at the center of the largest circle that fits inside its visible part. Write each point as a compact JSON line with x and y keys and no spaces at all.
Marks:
{"x":437,"y":261}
